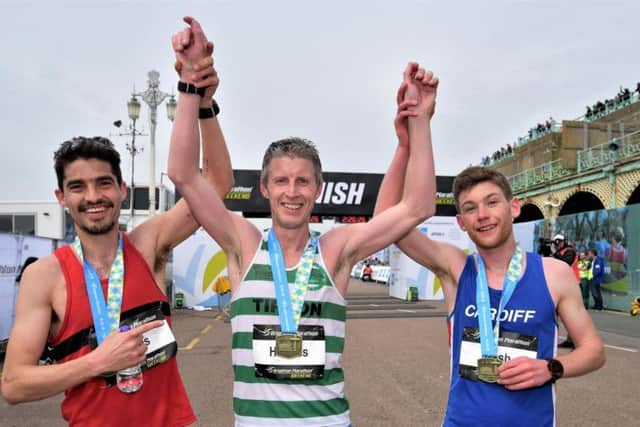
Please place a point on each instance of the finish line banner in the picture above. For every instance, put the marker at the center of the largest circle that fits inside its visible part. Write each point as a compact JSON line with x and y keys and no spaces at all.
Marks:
{"x":350,"y":197}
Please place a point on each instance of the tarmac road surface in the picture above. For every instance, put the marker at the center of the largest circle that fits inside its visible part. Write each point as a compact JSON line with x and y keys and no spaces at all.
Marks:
{"x":396,"y":365}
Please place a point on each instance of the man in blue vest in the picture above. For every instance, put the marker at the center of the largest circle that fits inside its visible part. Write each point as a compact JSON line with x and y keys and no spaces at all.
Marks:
{"x":505,"y":378}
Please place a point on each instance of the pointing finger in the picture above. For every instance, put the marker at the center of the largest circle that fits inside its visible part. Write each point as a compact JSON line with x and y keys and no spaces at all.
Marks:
{"x":146,"y":327}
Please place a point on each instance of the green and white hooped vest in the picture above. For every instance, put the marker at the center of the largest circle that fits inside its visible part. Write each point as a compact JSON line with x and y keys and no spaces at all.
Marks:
{"x":287,"y":403}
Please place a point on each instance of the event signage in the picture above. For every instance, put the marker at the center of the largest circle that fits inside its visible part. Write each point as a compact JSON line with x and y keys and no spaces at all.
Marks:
{"x":348,"y":197}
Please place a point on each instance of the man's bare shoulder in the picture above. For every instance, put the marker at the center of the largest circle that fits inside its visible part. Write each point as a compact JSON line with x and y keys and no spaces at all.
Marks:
{"x":42,"y":277}
{"x":555,"y":268}
{"x":47,"y":266}
{"x":558,"y":275}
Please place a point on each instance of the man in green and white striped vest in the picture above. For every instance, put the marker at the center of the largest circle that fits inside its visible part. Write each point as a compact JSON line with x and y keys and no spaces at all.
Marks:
{"x":288,"y":308}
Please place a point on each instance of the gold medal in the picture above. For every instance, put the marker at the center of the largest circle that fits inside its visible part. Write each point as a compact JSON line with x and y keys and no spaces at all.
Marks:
{"x":289,"y":345}
{"x":488,"y":369}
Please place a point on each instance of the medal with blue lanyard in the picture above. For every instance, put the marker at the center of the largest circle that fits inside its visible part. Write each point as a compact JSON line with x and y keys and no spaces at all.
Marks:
{"x":289,"y":342}
{"x":106,"y":315}
{"x":489,"y":363}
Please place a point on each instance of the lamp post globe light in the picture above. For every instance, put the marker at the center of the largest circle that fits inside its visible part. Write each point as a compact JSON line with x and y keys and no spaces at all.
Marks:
{"x":133,"y":109}
{"x":153,"y":97}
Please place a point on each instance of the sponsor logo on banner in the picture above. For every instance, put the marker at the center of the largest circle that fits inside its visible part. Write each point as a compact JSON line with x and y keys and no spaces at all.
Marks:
{"x":444,"y":198}
{"x":239,"y":193}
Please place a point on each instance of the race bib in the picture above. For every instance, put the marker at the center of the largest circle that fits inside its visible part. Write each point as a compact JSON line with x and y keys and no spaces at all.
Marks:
{"x":510,"y":346}
{"x":160,"y":341}
{"x":310,"y":365}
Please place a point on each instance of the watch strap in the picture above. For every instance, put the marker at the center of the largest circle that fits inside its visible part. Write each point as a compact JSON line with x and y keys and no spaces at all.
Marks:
{"x":555,"y":368}
{"x":185,"y":87}
{"x":207,"y":113}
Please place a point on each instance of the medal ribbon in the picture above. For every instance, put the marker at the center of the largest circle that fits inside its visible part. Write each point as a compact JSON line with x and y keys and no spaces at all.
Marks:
{"x":488,"y":335}
{"x":106,"y":316}
{"x":290,"y":303}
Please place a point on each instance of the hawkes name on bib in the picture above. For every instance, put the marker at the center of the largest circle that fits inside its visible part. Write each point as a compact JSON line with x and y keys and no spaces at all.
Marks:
{"x":310,"y":365}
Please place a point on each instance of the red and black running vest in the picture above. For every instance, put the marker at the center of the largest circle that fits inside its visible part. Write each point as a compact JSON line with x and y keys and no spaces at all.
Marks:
{"x":162,"y":400}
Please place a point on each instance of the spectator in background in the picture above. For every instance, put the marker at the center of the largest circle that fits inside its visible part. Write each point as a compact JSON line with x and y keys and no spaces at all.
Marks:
{"x":566,"y":253}
{"x":544,"y":247}
{"x":617,"y":255}
{"x":367,"y":272}
{"x":596,"y":278}
{"x":584,"y":270}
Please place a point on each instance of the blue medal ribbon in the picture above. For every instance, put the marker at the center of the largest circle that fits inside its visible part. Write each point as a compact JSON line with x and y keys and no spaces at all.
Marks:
{"x":488,"y":334}
{"x":290,"y":303}
{"x":106,"y":314}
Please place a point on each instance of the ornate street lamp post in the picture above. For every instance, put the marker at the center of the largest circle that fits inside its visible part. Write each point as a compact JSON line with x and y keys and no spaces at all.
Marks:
{"x":153,"y":97}
{"x":133,"y":108}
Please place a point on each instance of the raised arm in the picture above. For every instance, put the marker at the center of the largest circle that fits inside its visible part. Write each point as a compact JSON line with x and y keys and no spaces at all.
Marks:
{"x":418,"y":196}
{"x":163,"y":232}
{"x":437,"y":256}
{"x":23,"y":379}
{"x":392,"y":185}
{"x":206,"y":205}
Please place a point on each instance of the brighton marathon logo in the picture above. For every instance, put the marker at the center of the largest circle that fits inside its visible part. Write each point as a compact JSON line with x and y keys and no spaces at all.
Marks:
{"x":341,"y":193}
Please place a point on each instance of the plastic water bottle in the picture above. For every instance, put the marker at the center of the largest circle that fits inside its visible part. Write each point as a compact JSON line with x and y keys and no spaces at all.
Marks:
{"x":129,"y":380}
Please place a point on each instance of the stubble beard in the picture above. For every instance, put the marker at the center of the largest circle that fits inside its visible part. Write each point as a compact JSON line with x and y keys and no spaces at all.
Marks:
{"x":98,"y":230}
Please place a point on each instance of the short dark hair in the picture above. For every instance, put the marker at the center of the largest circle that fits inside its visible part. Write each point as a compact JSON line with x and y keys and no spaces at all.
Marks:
{"x":292,"y":147}
{"x":474,"y":175}
{"x":81,"y":147}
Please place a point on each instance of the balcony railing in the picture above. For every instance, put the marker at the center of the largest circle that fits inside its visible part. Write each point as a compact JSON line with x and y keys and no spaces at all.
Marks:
{"x":616,"y":149}
{"x":610,"y":107}
{"x":545,"y":173}
{"x":535,"y":133}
